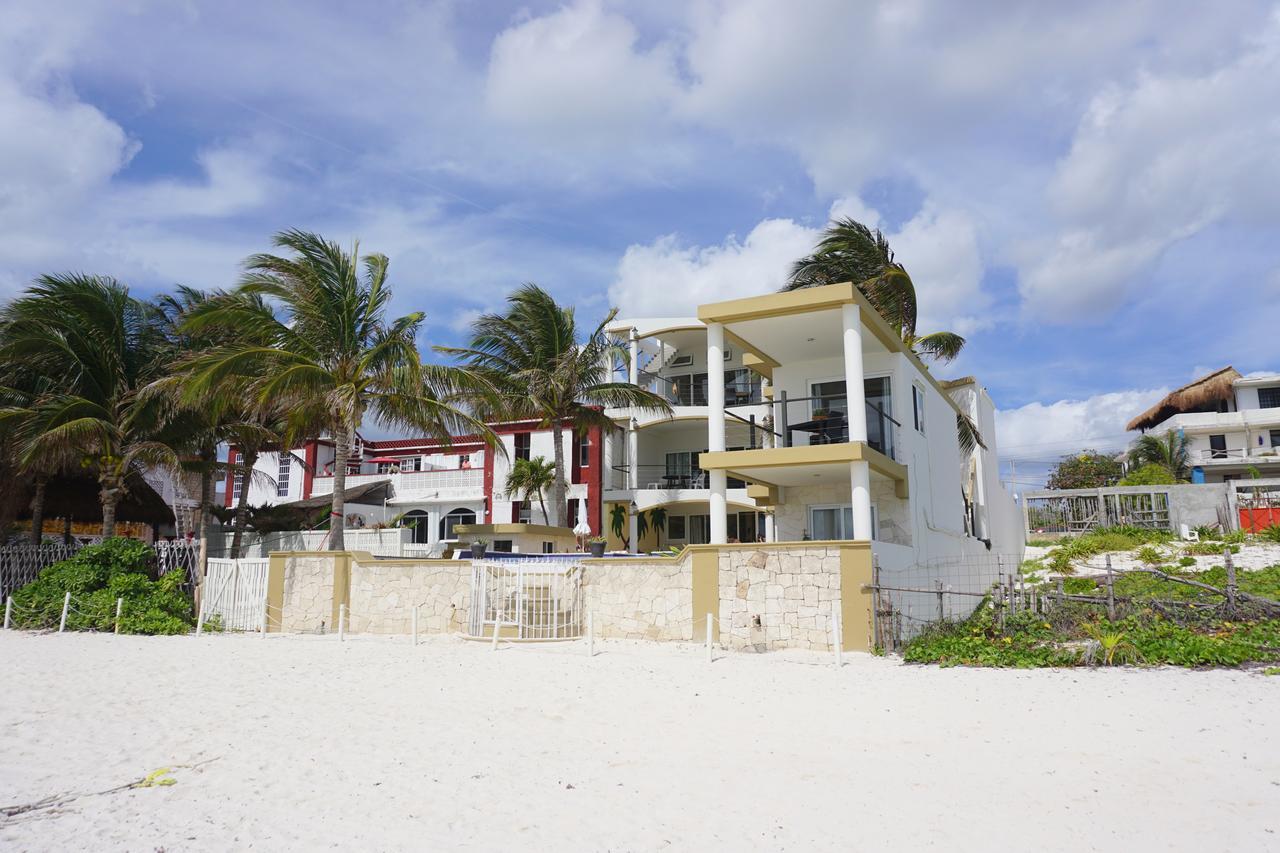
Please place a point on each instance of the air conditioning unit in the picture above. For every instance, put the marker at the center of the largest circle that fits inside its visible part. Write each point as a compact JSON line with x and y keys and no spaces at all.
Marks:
{"x":682,"y":360}
{"x":728,"y":353}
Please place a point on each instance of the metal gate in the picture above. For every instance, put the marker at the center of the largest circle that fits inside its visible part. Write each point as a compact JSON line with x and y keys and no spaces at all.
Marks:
{"x":542,"y":601}
{"x":236,"y":592}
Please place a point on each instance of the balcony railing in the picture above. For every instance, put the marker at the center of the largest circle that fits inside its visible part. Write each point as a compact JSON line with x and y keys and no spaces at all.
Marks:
{"x":1223,"y":453}
{"x":469,"y":480}
{"x":666,"y":478}
{"x":741,"y":387}
{"x":794,"y":419}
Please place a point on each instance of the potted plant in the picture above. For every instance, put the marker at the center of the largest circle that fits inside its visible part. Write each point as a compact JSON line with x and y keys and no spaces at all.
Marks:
{"x":478,"y":548}
{"x":596,"y":544}
{"x":820,"y":414}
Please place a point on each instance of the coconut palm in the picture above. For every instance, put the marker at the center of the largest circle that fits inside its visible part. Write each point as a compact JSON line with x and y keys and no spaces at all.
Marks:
{"x":93,"y":347}
{"x":321,"y":344}
{"x":533,"y":357}
{"x":850,"y":251}
{"x":532,"y":477}
{"x":1170,"y":451}
{"x":658,"y":521}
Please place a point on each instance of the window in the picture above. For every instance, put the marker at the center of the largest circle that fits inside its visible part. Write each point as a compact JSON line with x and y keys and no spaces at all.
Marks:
{"x":237,"y":485}
{"x":502,"y":546}
{"x":741,"y":386}
{"x":1275,"y":438}
{"x":829,"y":397}
{"x":1269,"y":398}
{"x":1218,"y":447}
{"x":835,"y":522}
{"x":683,"y":471}
{"x":282,"y":475}
{"x":419,"y":522}
{"x":453,"y":518}
{"x":917,"y":408}
{"x":524,"y":512}
{"x":464,"y":461}
{"x":573,"y":514}
{"x":584,"y":452}
{"x":408,"y":463}
{"x":548,"y":547}
{"x":675,"y":527}
{"x":523,"y":440}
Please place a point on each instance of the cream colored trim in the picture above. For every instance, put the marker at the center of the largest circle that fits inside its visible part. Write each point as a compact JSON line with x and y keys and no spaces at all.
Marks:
{"x":513,"y":529}
{"x":734,"y":461}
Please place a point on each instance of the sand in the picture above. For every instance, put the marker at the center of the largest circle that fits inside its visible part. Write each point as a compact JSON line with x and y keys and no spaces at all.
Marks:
{"x":374,"y":744}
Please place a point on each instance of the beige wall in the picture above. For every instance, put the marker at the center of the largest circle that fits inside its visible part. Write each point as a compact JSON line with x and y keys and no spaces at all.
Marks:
{"x":384,"y":593}
{"x":640,"y":600}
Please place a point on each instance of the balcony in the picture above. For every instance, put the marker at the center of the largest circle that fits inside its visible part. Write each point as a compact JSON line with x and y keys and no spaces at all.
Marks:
{"x":459,"y":484}
{"x":741,"y":387}
{"x":1236,"y":456}
{"x":807,"y":421}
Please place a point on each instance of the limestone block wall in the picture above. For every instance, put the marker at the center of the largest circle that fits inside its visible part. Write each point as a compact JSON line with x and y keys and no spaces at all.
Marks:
{"x":778,"y":597}
{"x":384,"y":592}
{"x":893,"y":513}
{"x":639,"y":600}
{"x":308,"y":594}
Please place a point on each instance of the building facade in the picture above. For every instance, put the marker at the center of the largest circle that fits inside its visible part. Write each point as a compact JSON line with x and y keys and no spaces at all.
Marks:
{"x":1231,"y":423}
{"x":430,"y":485}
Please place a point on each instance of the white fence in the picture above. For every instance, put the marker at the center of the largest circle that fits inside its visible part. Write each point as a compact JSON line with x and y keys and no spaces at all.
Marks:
{"x":235,"y":591}
{"x":19,"y":564}
{"x":458,"y":484}
{"x":542,"y":600}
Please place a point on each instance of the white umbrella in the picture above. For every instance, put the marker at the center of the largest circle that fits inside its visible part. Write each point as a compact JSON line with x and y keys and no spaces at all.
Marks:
{"x":582,"y":528}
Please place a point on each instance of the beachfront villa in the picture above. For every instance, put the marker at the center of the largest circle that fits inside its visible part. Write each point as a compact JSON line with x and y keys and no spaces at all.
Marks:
{"x":802,"y":416}
{"x":1231,"y":422}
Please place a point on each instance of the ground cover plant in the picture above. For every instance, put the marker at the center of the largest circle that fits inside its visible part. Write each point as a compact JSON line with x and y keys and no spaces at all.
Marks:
{"x":98,"y":575}
{"x":1157,"y":621}
{"x":1100,"y":541}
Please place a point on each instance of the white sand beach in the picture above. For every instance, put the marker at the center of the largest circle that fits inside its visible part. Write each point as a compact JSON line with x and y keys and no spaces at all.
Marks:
{"x":374,"y":744}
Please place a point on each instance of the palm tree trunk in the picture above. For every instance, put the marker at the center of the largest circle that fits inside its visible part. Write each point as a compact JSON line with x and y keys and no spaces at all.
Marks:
{"x":109,"y":494}
{"x":247,"y":461}
{"x":558,"y":485}
{"x":205,"y":523}
{"x":337,"y":514}
{"x":37,"y":511}
{"x":542,"y":503}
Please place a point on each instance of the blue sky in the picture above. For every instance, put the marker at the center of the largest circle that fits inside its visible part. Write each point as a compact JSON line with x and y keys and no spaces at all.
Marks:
{"x":1088,"y":191}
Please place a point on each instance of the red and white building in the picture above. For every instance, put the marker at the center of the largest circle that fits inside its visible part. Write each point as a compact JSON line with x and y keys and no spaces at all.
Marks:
{"x":433,"y":484}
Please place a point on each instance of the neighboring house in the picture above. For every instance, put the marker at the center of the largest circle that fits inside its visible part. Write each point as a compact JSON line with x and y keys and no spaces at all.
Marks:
{"x":1232,"y":424}
{"x":434,"y":486}
{"x":801,"y":416}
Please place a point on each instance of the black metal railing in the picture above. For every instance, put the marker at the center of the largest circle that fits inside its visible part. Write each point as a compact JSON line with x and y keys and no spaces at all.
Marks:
{"x":823,"y":424}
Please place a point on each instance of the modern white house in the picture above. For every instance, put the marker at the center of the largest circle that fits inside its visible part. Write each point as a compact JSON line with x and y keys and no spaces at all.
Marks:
{"x":1231,"y":422}
{"x":802,"y":416}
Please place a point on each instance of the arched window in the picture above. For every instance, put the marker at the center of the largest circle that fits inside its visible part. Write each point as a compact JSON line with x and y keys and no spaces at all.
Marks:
{"x":421,"y":526}
{"x":460,"y":515}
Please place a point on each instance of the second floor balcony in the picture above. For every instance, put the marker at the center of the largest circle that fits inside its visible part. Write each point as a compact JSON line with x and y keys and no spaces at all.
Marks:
{"x":447,"y":483}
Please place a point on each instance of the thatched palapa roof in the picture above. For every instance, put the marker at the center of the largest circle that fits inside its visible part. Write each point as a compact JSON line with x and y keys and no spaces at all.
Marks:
{"x":1202,"y":395}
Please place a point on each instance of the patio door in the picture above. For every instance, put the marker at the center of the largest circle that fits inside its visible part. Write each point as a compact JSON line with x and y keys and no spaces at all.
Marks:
{"x":835,"y":522}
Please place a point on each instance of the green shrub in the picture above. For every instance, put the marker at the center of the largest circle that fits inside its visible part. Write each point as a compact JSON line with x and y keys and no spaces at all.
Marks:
{"x":1100,"y":541}
{"x":96,"y":576}
{"x":1207,"y":533}
{"x":1186,"y":562}
{"x":1271,"y":534}
{"x":1235,"y":537}
{"x":1209,"y":549}
{"x":1151,"y":474}
{"x":1150,"y":555}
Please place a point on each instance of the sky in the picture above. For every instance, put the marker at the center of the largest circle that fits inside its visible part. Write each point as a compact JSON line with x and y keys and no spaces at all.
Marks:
{"x":1089,"y":192}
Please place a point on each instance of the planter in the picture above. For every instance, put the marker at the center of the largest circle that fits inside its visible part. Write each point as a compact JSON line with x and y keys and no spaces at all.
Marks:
{"x":597,"y":549}
{"x":478,"y":550}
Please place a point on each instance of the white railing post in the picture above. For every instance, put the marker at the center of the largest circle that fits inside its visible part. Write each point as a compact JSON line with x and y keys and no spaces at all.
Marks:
{"x":66,"y":602}
{"x":8,"y":609}
{"x":497,"y":623}
{"x":200,"y":618}
{"x":119,"y":610}
{"x":415,"y":624}
{"x":711,"y":654}
{"x":342,"y":623}
{"x":837,"y":638}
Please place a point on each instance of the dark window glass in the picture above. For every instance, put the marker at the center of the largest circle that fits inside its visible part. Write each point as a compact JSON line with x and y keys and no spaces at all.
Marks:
{"x":522,"y":445}
{"x":1269,"y":398}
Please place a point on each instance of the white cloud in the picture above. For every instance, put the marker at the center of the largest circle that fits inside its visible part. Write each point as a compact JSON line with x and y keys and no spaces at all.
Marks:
{"x":1042,"y":432}
{"x":667,"y":278}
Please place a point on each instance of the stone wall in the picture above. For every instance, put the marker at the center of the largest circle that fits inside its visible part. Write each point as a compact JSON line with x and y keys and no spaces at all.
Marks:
{"x":778,"y":597}
{"x":638,"y":600}
{"x":308,"y":593}
{"x":384,"y":592}
{"x":791,"y":517}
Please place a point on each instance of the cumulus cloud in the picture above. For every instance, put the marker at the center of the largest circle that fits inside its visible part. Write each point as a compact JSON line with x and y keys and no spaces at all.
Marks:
{"x":1041,"y":432}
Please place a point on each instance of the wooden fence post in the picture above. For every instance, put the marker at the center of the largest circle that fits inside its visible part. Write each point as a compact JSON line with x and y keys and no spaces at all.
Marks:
{"x":1231,"y":581}
{"x":8,"y":609}
{"x":1061,"y":594}
{"x":1111,"y":591}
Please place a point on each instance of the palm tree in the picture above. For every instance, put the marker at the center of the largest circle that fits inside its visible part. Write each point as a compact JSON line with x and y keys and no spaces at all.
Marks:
{"x":618,"y":522}
{"x":1171,"y":451}
{"x":94,"y":347}
{"x":328,"y":353}
{"x":534,"y":360}
{"x":850,"y":251}
{"x":658,"y":521}
{"x":532,"y":477}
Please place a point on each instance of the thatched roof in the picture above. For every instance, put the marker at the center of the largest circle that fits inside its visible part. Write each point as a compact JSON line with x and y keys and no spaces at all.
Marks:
{"x":1202,"y":395}
{"x":374,"y":492}
{"x":76,"y":497}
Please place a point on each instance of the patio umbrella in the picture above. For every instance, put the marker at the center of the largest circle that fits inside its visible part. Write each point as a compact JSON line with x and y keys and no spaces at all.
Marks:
{"x":390,"y":459}
{"x":582,"y":528}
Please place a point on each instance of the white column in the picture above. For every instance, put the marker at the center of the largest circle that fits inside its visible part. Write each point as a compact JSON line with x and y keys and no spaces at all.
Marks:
{"x":715,"y":431}
{"x":860,"y":482}
{"x":633,"y":455}
{"x":769,"y":534}
{"x":853,"y":388}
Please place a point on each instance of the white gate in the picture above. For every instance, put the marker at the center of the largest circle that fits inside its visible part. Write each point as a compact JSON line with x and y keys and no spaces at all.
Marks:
{"x":542,"y":600}
{"x":236,"y":592}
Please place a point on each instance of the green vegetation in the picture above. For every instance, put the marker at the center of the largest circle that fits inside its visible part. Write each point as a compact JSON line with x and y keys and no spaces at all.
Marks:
{"x":1171,"y":451}
{"x":1101,"y":541}
{"x":1151,"y":474}
{"x":1085,"y":470}
{"x":96,"y":577}
{"x":1209,"y":549}
{"x":1271,"y":534}
{"x":1158,"y":622}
